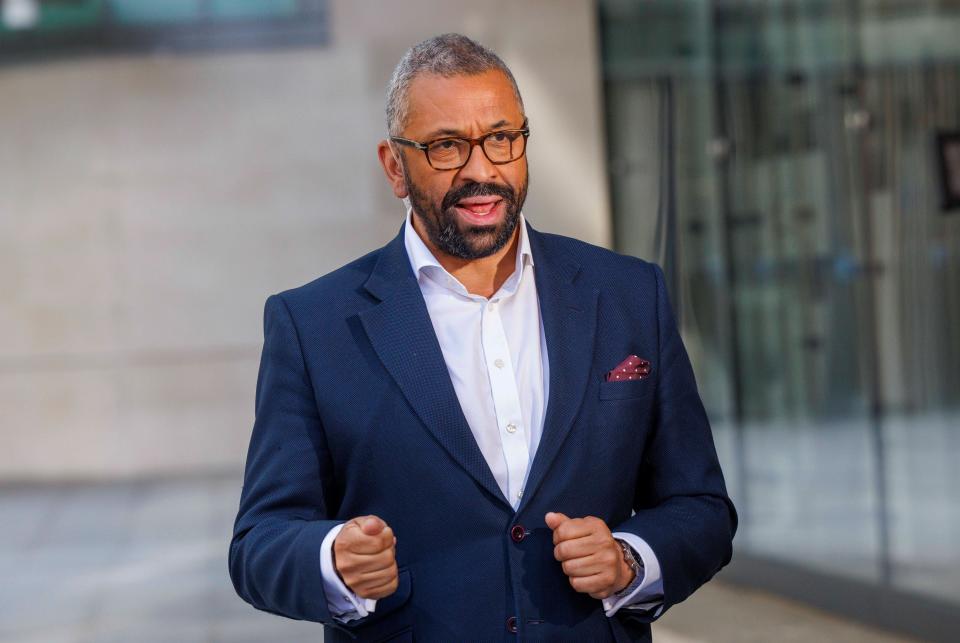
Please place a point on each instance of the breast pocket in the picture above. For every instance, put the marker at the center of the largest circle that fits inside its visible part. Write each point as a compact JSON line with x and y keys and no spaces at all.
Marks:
{"x":626,"y":390}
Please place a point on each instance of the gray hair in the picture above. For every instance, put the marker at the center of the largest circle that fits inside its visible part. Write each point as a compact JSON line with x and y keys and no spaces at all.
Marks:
{"x":447,"y":55}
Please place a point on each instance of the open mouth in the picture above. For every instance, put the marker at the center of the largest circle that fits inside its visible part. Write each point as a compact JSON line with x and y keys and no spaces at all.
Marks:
{"x":480,"y":209}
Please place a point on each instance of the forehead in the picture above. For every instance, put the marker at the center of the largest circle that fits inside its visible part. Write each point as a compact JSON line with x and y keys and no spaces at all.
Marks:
{"x":462,"y":103}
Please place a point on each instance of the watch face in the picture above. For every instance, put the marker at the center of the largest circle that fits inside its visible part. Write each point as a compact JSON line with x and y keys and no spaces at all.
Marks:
{"x":630,"y":556}
{"x":632,"y":560}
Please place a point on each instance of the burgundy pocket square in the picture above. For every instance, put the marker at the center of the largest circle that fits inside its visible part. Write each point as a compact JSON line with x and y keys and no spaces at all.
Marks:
{"x":632,"y":368}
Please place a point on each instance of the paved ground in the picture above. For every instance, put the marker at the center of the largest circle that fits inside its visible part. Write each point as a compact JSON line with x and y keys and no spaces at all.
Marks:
{"x":725,"y":614}
{"x":145,"y":562}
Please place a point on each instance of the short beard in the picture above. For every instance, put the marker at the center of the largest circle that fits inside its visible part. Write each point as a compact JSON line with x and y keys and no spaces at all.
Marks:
{"x":474,"y":242}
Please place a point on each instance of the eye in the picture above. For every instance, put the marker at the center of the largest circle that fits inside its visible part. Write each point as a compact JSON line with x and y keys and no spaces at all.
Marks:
{"x":500,"y":137}
{"x":446,"y":145}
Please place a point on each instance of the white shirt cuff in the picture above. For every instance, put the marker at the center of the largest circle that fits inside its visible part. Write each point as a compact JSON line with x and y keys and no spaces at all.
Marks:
{"x":344,"y":605}
{"x":649,"y":593}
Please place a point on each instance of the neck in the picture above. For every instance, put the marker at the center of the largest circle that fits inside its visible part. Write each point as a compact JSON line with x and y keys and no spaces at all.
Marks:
{"x":482,"y":276}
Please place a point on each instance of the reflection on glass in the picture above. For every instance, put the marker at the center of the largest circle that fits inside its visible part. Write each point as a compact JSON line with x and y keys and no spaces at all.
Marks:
{"x":777,"y":159}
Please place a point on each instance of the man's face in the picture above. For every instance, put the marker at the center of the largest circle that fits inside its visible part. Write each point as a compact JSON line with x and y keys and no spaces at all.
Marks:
{"x":472,"y":211}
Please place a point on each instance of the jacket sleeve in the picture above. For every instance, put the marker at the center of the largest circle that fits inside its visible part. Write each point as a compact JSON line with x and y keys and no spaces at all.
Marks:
{"x":681,"y":505}
{"x":284,"y":514}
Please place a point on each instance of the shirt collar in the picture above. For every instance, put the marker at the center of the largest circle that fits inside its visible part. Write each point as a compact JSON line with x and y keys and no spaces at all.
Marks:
{"x":425,"y":264}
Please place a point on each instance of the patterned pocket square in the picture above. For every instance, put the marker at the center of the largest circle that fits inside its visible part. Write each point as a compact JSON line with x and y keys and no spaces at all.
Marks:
{"x":632,"y":368}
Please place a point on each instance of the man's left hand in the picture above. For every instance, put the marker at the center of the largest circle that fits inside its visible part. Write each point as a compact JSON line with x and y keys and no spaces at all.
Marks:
{"x":590,"y":556}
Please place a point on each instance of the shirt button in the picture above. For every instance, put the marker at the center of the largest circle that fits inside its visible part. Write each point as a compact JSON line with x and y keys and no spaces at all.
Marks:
{"x":498,"y":363}
{"x":511,"y":428}
{"x":518,"y":533}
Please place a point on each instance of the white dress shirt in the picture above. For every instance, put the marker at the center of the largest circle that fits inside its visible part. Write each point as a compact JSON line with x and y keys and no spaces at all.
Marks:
{"x":496,"y":355}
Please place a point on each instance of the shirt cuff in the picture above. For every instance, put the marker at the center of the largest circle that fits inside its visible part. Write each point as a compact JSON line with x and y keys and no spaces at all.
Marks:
{"x":648,"y":595}
{"x":344,"y":605}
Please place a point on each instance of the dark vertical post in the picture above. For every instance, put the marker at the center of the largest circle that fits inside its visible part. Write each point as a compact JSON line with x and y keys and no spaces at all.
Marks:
{"x":666,"y":234}
{"x":724,"y":160}
{"x":870,"y":272}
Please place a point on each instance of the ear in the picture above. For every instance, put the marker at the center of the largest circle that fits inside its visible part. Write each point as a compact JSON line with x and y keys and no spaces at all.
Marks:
{"x":392,"y":168}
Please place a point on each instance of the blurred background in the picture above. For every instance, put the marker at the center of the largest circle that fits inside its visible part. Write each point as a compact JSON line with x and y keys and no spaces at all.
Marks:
{"x":794,"y":165}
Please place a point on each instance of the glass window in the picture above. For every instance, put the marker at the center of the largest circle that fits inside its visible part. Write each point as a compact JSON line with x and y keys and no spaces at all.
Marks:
{"x":778,"y":160}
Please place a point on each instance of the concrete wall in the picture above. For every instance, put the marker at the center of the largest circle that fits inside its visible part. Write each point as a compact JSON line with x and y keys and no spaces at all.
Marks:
{"x":149,"y":205}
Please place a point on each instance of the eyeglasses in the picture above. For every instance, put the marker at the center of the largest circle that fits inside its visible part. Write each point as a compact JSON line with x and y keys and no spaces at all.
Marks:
{"x":451,"y":153}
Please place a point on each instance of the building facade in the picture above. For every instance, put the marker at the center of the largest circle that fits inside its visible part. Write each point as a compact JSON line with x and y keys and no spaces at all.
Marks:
{"x":787,"y":163}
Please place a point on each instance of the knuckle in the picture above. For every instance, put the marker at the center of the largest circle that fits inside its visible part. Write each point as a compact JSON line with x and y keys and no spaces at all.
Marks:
{"x":386,"y":589}
{"x":357,"y":569}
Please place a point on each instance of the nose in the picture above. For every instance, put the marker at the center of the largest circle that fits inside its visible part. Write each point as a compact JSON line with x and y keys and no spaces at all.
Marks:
{"x":478,"y":167}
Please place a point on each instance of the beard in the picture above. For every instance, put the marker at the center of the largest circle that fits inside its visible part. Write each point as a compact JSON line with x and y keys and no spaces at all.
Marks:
{"x":470,"y":241}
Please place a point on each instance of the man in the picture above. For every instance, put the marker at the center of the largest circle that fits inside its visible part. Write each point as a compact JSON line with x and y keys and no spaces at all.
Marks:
{"x":478,"y":431}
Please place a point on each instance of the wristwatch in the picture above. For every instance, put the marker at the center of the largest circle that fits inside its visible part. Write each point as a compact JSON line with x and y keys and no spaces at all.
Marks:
{"x":635,"y":563}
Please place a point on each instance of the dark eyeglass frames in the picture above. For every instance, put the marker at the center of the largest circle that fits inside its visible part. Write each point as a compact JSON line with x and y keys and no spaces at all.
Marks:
{"x":451,"y":153}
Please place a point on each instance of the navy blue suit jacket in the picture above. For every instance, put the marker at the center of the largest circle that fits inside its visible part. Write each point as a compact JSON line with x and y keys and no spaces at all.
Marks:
{"x":356,"y":415}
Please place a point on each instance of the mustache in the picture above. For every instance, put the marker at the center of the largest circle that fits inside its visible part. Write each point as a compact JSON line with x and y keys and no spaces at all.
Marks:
{"x":468,"y":190}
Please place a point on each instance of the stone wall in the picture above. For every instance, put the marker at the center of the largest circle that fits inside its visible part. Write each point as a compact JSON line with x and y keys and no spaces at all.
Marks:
{"x":150,"y":204}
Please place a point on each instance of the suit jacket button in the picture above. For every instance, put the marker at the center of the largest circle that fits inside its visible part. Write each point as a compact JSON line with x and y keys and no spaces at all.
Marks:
{"x":512,"y":624}
{"x":518,"y":533}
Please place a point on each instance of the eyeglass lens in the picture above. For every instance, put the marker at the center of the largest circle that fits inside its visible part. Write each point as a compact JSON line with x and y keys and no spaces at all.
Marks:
{"x":500,"y":147}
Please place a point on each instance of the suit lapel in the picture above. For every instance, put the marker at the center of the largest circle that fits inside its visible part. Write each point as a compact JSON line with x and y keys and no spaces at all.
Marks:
{"x":568,"y":308}
{"x":401,"y":333}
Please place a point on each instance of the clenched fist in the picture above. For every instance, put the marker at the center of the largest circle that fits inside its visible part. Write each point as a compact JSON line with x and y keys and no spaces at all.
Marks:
{"x":590,"y":556}
{"x":364,"y":555}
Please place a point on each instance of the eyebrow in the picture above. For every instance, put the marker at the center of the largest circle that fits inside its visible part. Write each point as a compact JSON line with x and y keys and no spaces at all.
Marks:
{"x":440,"y":133}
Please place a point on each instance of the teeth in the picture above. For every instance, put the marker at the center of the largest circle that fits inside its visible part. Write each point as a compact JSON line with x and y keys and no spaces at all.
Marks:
{"x":479,"y":208}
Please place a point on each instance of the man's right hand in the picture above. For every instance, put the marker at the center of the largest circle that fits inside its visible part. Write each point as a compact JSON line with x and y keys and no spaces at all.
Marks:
{"x":364,"y":555}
